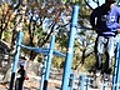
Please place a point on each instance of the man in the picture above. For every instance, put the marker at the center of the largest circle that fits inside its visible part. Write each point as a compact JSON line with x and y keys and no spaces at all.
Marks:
{"x":20,"y":77}
{"x":104,"y":20}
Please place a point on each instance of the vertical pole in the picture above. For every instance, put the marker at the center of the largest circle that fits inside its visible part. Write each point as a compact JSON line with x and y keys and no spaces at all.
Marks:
{"x":118,"y":70}
{"x":82,"y":82}
{"x":43,"y":74}
{"x":118,"y":87}
{"x":47,"y":73}
{"x":102,"y":86}
{"x":72,"y":81}
{"x":116,"y":66}
{"x":88,"y":83}
{"x":105,"y":85}
{"x":69,"y":56}
{"x":117,"y":76}
{"x":16,"y":59}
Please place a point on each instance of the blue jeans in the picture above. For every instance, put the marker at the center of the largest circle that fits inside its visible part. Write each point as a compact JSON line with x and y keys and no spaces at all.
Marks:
{"x":105,"y":46}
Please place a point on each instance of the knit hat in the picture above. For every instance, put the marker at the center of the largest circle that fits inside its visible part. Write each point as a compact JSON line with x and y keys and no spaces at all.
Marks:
{"x":22,"y":64}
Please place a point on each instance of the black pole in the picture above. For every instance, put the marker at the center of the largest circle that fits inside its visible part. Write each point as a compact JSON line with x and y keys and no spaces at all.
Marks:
{"x":45,"y":85}
{"x":12,"y":81}
{"x":16,"y":60}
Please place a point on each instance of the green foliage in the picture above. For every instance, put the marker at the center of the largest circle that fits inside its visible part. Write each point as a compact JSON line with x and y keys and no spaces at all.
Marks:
{"x":7,"y":36}
{"x":63,"y":41}
{"x":58,"y":62}
{"x":39,"y":32}
{"x":90,"y":62}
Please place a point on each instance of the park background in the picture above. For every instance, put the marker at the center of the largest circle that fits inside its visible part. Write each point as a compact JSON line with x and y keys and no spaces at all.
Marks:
{"x":38,"y":20}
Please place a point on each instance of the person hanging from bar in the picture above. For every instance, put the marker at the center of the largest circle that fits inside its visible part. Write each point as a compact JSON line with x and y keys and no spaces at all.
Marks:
{"x":105,"y":20}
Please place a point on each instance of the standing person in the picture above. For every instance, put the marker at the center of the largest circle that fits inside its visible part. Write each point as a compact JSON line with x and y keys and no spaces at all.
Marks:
{"x":104,"y":19}
{"x":20,"y":78}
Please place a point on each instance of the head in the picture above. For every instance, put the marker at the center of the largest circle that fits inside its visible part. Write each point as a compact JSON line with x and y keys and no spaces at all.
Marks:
{"x":22,"y":65}
{"x":110,"y":3}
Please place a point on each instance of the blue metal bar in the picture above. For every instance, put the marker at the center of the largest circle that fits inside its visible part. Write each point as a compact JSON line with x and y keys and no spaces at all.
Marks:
{"x":118,"y":74}
{"x":44,"y":51}
{"x":88,"y":83}
{"x":105,"y":85}
{"x":57,"y":53}
{"x":118,"y":69}
{"x":116,"y":66}
{"x":72,"y":81}
{"x":82,"y":80}
{"x":43,"y":74}
{"x":52,"y":44}
{"x":16,"y":59}
{"x":69,"y":56}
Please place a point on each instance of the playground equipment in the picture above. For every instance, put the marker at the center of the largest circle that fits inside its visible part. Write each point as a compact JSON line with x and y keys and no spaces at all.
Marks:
{"x":48,"y":52}
{"x":43,"y":73}
{"x":116,"y":77}
{"x":72,"y":81}
{"x":84,"y":82}
{"x":70,"y":52}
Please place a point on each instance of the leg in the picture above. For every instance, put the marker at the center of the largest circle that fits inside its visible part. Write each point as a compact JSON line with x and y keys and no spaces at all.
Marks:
{"x":109,"y":55}
{"x":21,"y":84}
{"x":99,"y":51}
{"x":17,"y":84}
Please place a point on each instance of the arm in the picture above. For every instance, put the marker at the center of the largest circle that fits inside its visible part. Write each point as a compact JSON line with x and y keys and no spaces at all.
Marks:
{"x":93,"y":18}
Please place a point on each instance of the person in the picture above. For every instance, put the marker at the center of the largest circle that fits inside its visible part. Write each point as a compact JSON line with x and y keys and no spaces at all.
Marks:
{"x":105,"y":20}
{"x":20,"y":77}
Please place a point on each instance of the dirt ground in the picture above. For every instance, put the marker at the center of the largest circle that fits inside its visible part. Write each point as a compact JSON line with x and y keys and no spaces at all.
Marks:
{"x":32,"y":85}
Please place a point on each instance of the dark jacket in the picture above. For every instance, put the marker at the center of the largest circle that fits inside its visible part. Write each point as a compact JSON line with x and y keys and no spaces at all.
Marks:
{"x":105,"y":20}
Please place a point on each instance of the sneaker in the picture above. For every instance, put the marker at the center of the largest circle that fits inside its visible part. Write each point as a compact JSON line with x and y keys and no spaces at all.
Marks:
{"x":106,"y":77}
{"x":98,"y":73}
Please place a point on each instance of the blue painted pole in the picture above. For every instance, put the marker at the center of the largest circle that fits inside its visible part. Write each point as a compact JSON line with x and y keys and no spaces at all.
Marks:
{"x":116,"y":66}
{"x":72,"y":81}
{"x":43,"y":74}
{"x":117,"y":80}
{"x":118,"y":69}
{"x":88,"y":83}
{"x":105,"y":85}
{"x":52,"y":43}
{"x":82,"y":82}
{"x":69,"y":56}
{"x":118,"y":74}
{"x":16,"y":59}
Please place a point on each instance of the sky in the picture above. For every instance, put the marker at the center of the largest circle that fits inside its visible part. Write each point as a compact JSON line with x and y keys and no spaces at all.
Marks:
{"x":92,"y":3}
